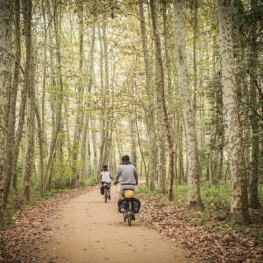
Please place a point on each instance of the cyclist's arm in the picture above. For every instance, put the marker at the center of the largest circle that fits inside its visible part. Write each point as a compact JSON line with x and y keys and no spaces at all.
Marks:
{"x":117,"y":176}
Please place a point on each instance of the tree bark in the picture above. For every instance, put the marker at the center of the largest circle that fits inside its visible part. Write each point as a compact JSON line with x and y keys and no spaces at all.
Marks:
{"x":5,"y":72}
{"x":57,"y":110}
{"x":160,"y":84}
{"x":150,"y":121}
{"x":12,"y":113}
{"x":80,"y":114}
{"x":30,"y":113}
{"x":194,"y":198}
{"x":254,"y":201}
{"x":239,"y":198}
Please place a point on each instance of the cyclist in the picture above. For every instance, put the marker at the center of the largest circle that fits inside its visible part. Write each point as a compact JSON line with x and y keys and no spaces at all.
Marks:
{"x":105,"y":176}
{"x":126,"y":175}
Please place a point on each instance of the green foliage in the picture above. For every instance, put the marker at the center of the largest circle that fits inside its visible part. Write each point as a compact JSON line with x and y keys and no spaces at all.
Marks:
{"x":180,"y":195}
{"x":143,"y":189}
{"x":216,"y":195}
{"x":90,"y":181}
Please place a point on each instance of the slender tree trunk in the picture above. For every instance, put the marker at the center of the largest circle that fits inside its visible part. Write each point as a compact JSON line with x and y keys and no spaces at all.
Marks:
{"x":239,"y":198}
{"x":59,"y":98}
{"x":5,"y":72}
{"x":104,"y":121}
{"x":150,"y":121}
{"x":80,"y":94}
{"x":30,"y":113}
{"x":255,"y":151}
{"x":12,"y":113}
{"x":42,"y":177}
{"x":195,"y":3}
{"x":160,"y":83}
{"x":89,"y":85}
{"x":139,"y":144}
{"x":41,"y":146}
{"x":194,"y":198}
{"x":106,"y":115}
{"x":133,"y":141}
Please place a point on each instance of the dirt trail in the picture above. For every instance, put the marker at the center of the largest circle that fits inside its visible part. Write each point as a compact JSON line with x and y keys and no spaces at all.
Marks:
{"x":87,"y":230}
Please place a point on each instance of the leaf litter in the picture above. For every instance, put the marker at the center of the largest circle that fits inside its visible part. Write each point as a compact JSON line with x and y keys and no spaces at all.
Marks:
{"x":221,"y":243}
{"x":23,"y":241}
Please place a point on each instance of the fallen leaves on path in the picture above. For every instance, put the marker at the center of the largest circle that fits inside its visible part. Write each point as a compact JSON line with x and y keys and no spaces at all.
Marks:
{"x":21,"y":241}
{"x":200,"y":240}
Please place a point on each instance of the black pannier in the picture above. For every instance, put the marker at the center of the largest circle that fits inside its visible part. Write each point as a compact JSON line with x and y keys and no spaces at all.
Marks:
{"x":122,"y":203}
{"x":136,"y":205}
{"x":102,"y":190}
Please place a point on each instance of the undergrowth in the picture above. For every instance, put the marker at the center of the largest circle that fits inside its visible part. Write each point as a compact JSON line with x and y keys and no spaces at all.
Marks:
{"x":215,"y":216}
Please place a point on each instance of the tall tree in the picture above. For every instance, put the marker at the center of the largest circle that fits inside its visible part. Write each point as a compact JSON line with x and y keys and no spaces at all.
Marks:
{"x":150,"y":121}
{"x":11,"y":176}
{"x":254,"y":67}
{"x":29,"y":84}
{"x":5,"y":71}
{"x":194,"y":198}
{"x":239,"y":198}
{"x":160,"y":87}
{"x":79,"y":101}
{"x":57,"y":84}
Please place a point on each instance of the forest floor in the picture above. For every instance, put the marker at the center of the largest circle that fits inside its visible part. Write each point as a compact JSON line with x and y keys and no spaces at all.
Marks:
{"x":78,"y":227}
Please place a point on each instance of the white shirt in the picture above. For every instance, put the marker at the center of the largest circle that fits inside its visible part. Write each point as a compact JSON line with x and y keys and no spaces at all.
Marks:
{"x":105,"y":176}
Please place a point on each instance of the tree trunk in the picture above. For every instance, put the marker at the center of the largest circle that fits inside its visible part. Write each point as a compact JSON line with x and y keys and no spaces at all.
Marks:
{"x":5,"y":72}
{"x":80,"y":114}
{"x":150,"y":122}
{"x":58,"y":84}
{"x":239,"y":198}
{"x":194,"y":198}
{"x":254,"y":201}
{"x":160,"y":84}
{"x":30,"y":113}
{"x":10,"y":146}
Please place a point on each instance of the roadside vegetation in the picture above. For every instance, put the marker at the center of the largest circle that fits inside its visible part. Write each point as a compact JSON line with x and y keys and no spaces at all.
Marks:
{"x":208,"y":234}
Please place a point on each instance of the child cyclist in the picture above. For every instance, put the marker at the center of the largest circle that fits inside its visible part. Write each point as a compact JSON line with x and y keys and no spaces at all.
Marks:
{"x":105,"y":177}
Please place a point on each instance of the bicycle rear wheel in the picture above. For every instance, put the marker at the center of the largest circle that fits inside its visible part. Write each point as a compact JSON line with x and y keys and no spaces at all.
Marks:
{"x":129,"y":219}
{"x":106,"y":195}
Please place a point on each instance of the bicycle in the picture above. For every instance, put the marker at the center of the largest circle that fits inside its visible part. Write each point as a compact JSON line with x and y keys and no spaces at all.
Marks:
{"x":106,"y":187}
{"x":129,"y":213}
{"x":129,"y":206}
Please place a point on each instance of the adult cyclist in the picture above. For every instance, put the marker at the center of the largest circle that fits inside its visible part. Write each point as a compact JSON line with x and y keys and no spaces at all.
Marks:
{"x":126,"y":175}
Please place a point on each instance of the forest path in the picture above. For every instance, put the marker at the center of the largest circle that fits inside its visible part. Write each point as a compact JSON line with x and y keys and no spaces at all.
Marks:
{"x":87,"y":230}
